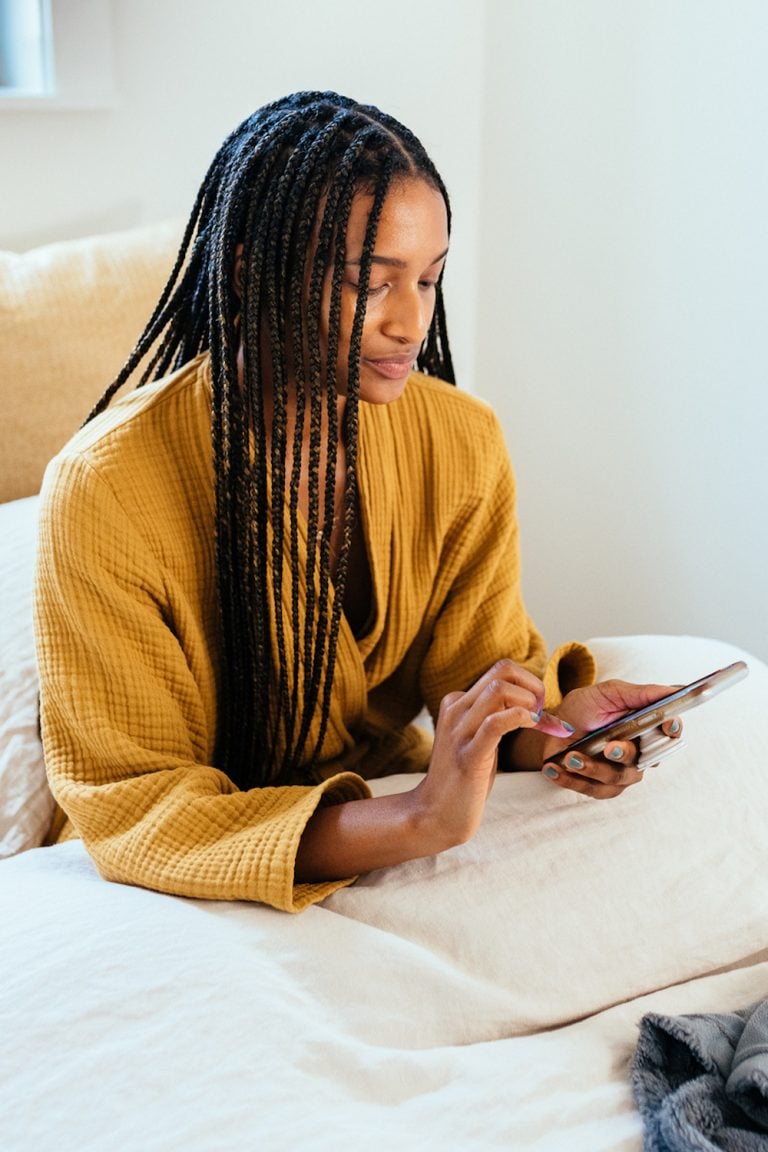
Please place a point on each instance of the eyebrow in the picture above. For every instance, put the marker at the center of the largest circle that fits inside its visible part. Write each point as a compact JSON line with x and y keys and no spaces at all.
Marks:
{"x":393,"y":262}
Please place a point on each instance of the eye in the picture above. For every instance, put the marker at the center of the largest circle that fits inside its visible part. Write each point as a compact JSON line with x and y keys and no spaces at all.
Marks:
{"x":427,"y":284}
{"x":373,"y":289}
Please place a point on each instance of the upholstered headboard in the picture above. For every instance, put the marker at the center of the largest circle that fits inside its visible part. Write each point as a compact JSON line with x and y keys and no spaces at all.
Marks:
{"x":70,"y":313}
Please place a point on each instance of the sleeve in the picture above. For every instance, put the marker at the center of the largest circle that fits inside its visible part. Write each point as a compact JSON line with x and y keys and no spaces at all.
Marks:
{"x":482,"y":617}
{"x":125,"y":729}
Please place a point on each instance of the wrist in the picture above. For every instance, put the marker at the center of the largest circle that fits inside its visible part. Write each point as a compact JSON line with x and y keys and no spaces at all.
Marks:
{"x":342,"y":840}
{"x":521,"y":751}
{"x":437,"y":821}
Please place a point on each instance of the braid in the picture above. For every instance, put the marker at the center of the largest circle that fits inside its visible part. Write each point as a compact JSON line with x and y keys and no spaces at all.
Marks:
{"x":351,"y":433}
{"x":316,"y":642}
{"x":279,"y":193}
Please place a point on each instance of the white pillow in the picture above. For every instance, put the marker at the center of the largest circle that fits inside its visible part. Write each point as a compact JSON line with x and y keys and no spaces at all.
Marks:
{"x":566,"y":904}
{"x":26,"y":804}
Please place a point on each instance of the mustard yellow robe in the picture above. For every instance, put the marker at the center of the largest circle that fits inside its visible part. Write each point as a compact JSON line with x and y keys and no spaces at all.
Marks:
{"x":129,"y":646}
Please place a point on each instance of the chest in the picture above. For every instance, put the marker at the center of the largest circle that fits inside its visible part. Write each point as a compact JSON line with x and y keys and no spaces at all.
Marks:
{"x":358,"y":593}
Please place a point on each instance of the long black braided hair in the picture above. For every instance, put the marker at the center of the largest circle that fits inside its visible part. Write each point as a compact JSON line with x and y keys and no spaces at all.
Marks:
{"x":279,"y":191}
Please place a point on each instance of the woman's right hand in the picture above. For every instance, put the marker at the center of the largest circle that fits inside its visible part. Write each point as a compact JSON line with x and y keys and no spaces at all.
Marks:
{"x":469,"y":727}
{"x":445,"y":809}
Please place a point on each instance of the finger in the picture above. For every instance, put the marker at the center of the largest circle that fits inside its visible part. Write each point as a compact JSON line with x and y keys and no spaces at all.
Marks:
{"x":508,"y":672}
{"x":501,"y":696}
{"x":483,"y":739}
{"x":587,"y":786}
{"x":628,"y":696}
{"x":620,"y":770}
{"x":450,"y":700}
{"x":474,"y":731}
{"x":619,"y":752}
{"x":552,"y":725}
{"x":659,"y":743}
{"x":464,"y":712}
{"x":497,"y":696}
{"x":673,"y":728}
{"x":616,"y":752}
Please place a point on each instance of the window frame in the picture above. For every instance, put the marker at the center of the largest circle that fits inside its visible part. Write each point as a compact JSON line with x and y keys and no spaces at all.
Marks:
{"x":81,"y":60}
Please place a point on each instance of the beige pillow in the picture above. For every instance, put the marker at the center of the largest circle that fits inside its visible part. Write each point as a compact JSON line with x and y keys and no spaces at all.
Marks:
{"x":563,"y":905}
{"x":70,"y":313}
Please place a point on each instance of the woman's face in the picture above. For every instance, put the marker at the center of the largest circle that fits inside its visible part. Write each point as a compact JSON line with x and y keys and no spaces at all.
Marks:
{"x":410,"y":250}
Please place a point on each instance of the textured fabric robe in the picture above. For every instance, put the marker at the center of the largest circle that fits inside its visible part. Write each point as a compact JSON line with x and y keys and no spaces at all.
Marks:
{"x":129,"y":646}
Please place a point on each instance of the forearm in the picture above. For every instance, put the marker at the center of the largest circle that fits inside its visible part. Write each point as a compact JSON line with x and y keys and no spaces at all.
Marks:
{"x":342,"y":840}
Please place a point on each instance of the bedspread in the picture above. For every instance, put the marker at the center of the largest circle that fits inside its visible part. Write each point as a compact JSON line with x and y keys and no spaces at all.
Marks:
{"x":134,"y":1020}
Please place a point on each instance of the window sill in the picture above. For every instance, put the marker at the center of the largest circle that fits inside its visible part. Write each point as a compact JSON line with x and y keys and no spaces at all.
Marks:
{"x":11,"y":101}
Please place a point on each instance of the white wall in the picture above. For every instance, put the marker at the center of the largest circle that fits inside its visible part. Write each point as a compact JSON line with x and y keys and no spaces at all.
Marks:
{"x":187,"y":71}
{"x":623,"y":308}
{"x":608,"y":283}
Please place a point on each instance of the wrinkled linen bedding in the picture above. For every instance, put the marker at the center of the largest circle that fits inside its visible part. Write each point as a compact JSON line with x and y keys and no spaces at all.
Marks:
{"x":136,"y":1020}
{"x":488,"y":997}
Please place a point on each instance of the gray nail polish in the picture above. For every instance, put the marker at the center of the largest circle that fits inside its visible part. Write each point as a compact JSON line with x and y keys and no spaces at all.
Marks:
{"x":551,"y":771}
{"x":616,"y":754}
{"x":575,"y":762}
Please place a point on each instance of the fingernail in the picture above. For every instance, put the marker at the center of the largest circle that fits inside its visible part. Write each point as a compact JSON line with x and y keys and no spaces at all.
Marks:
{"x":568,"y":727}
{"x":575,"y":762}
{"x":674,"y":728}
{"x":616,"y":753}
{"x":551,"y":771}
{"x":536,"y":716}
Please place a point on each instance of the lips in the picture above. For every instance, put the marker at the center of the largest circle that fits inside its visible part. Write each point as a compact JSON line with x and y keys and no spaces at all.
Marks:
{"x":391,"y":367}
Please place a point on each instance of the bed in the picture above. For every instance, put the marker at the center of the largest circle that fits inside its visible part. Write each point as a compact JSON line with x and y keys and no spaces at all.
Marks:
{"x":487,"y":998}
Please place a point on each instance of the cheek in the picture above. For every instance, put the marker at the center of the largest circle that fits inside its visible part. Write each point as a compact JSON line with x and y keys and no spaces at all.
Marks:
{"x":347,"y":320}
{"x":347,"y":316}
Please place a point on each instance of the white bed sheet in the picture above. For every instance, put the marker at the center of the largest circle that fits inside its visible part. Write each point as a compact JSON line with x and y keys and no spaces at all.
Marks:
{"x":138,"y":1021}
{"x":430,"y":1006}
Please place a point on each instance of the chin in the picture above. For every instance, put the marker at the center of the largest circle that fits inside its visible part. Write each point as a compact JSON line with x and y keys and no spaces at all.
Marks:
{"x":379,"y":391}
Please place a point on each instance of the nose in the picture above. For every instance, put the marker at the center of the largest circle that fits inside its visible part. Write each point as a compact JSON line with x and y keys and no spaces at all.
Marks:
{"x":408,"y":315}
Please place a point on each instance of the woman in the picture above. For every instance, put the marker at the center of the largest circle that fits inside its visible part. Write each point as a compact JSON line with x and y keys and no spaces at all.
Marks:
{"x":256,"y":569}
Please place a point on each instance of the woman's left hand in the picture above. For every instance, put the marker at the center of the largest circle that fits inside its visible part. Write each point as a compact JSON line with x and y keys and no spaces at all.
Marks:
{"x":609,"y":774}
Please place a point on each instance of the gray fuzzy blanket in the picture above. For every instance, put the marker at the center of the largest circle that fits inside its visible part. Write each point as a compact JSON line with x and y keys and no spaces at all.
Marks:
{"x":701,"y":1082}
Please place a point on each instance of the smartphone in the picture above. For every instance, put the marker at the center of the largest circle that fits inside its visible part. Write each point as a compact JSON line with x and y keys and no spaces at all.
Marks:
{"x":635,"y":724}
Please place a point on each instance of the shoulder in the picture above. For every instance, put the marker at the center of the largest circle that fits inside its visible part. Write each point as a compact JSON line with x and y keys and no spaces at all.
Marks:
{"x":138,"y":479}
{"x":143,"y":439}
{"x":147,"y":410}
